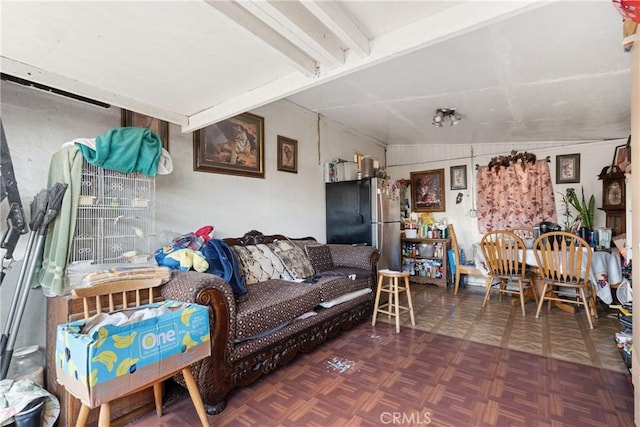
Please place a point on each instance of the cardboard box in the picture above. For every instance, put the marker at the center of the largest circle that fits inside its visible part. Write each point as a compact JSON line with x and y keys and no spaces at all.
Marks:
{"x":118,"y":359}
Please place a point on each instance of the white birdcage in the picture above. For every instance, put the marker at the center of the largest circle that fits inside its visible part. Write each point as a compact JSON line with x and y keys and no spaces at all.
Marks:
{"x":115,"y":218}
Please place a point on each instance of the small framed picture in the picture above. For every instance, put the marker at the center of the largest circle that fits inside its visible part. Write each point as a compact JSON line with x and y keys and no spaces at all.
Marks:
{"x":621,"y":156}
{"x":427,"y":191}
{"x":287,"y":154}
{"x":458,"y":177}
{"x":157,"y":126}
{"x":568,"y":168}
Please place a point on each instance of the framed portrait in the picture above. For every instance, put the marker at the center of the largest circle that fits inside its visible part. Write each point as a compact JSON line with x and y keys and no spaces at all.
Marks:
{"x":234,"y":146}
{"x":157,"y":126}
{"x":622,"y":156}
{"x":287,"y":154}
{"x":427,"y":191}
{"x":458,"y":177}
{"x":568,"y":168}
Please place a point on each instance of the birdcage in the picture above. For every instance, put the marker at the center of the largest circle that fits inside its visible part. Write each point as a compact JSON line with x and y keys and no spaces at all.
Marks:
{"x":115,"y":218}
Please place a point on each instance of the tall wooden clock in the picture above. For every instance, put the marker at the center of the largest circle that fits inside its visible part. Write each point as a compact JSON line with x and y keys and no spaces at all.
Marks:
{"x":614,"y":199}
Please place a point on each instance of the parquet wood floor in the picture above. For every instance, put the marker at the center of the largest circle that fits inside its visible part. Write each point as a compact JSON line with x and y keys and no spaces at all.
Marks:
{"x":461,"y":365}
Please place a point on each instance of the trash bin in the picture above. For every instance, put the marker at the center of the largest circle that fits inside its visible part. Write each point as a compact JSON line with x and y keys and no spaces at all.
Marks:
{"x":32,"y":415}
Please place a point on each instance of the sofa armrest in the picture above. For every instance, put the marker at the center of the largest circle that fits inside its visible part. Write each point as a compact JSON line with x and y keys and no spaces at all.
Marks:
{"x":365,"y":257}
{"x":211,"y":291}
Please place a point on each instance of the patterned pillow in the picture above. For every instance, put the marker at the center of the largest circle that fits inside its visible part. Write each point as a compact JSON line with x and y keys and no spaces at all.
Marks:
{"x":278,"y":266}
{"x":257,"y":263}
{"x":320,"y":257}
{"x":294,"y":259}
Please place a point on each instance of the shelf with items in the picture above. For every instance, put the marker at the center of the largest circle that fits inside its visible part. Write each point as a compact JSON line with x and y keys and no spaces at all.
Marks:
{"x":426,"y":260}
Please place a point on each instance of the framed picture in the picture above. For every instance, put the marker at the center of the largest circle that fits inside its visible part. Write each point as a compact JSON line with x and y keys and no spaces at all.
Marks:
{"x":287,"y":154}
{"x":234,"y":146}
{"x":622,"y":156}
{"x":458,"y":177}
{"x":157,"y":126}
{"x":568,"y":168}
{"x":427,"y":191}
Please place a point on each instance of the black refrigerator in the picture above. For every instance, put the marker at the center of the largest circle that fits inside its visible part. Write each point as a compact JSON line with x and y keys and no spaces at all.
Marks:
{"x":366,"y":212}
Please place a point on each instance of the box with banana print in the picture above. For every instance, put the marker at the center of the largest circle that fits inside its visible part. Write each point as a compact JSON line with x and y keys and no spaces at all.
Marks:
{"x":115,"y":360}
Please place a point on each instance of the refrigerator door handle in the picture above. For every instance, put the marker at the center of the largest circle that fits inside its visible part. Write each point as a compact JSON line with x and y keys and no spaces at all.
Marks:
{"x":380,"y":236}
{"x":381,"y":220}
{"x":380,"y":207}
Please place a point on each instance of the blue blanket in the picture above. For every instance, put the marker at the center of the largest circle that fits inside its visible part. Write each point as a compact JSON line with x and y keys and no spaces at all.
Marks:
{"x":126,"y":150}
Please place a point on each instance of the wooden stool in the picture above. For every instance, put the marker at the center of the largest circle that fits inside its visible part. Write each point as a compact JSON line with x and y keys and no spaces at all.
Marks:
{"x":392,"y":307}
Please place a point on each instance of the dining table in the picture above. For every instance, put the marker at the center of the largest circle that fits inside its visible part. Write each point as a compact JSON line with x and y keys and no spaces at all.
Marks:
{"x":606,"y":270}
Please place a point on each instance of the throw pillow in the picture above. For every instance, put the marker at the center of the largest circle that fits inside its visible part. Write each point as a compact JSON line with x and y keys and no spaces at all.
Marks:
{"x":294,"y":259}
{"x":256,"y":263}
{"x":320,"y":257}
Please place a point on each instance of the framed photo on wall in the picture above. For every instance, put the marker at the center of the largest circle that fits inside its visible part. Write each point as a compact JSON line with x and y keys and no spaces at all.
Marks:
{"x":234,"y":146}
{"x":287,"y":154}
{"x":427,"y":191}
{"x":458,"y":177}
{"x":568,"y":168}
{"x":157,"y":126}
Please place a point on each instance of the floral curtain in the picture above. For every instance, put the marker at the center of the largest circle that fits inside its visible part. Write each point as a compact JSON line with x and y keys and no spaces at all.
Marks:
{"x":518,"y":195}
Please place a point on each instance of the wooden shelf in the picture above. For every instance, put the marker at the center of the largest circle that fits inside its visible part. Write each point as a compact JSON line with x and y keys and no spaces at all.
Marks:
{"x":426,"y":269}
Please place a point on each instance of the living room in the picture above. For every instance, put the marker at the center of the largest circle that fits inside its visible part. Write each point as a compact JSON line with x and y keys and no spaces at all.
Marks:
{"x":38,"y":123}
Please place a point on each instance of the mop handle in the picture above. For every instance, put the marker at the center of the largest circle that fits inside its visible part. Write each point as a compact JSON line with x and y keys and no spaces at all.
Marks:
{"x":4,"y":367}
{"x":22,"y":302}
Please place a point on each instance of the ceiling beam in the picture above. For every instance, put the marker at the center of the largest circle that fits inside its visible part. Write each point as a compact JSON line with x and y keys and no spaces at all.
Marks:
{"x":452,"y":22}
{"x":332,"y":16}
{"x":300,"y":60}
{"x":300,"y":27}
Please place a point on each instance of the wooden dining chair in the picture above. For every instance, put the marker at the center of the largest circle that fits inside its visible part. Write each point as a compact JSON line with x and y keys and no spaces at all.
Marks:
{"x":112,"y":295}
{"x":504,"y":254}
{"x":460,"y":269}
{"x":564,"y":262}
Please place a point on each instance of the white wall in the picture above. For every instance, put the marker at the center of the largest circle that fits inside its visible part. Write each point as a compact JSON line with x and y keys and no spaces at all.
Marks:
{"x":287,"y":203}
{"x":37,"y":123}
{"x":402,"y":160}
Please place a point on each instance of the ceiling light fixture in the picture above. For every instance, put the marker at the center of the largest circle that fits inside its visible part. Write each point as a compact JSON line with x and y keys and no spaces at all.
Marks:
{"x":442,"y":114}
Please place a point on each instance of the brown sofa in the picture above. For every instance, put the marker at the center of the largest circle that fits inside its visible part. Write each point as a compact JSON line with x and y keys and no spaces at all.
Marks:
{"x":278,"y":318}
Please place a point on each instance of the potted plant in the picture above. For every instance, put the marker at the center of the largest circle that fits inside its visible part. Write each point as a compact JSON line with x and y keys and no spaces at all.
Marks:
{"x":586,"y":211}
{"x":569,"y":224}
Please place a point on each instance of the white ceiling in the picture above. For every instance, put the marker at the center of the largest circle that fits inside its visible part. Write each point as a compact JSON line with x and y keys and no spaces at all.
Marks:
{"x":515,"y":71}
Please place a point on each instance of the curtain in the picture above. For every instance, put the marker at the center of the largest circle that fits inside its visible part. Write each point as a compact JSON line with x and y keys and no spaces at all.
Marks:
{"x":514,"y":196}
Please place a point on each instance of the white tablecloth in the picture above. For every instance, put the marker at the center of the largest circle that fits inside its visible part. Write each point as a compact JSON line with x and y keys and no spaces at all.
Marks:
{"x":606,"y":269}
